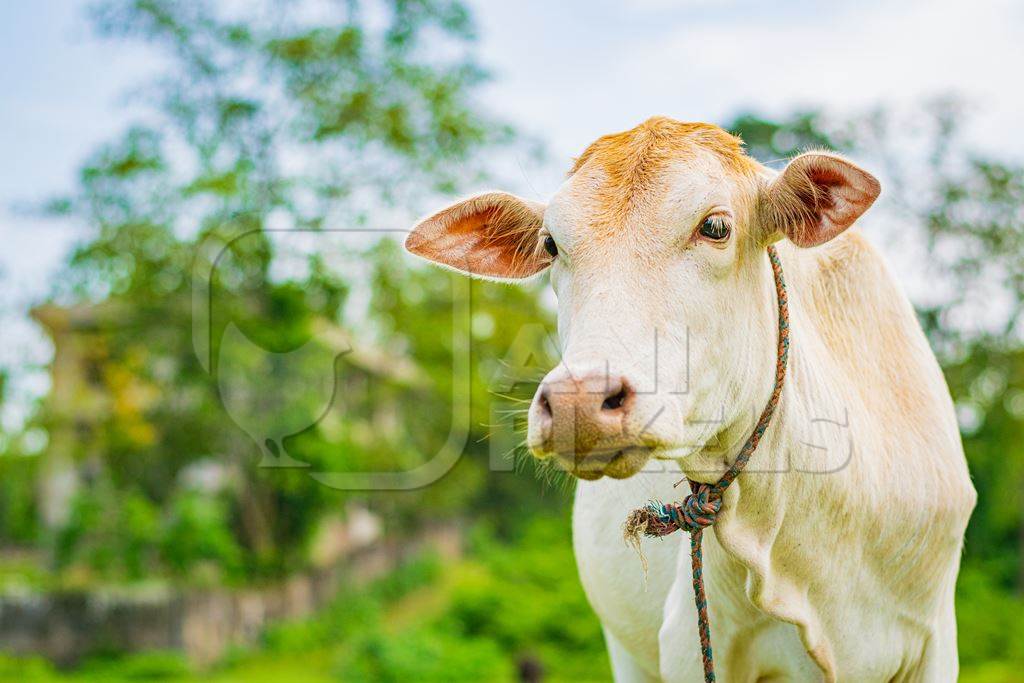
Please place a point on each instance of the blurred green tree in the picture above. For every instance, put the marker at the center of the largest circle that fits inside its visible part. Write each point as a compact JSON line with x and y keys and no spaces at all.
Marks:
{"x":282,"y":137}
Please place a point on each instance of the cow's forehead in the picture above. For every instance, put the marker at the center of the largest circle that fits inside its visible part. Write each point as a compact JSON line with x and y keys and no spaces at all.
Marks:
{"x":628,"y":181}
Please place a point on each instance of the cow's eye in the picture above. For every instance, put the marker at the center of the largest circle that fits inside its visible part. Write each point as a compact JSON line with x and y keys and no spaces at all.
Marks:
{"x":550,"y":246}
{"x":715,"y":228}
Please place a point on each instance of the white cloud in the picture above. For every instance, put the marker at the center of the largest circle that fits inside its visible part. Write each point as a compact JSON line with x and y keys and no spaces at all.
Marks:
{"x":574,"y":78}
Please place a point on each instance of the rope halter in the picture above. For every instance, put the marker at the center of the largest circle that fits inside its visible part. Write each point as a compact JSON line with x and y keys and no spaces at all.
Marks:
{"x":700,"y":509}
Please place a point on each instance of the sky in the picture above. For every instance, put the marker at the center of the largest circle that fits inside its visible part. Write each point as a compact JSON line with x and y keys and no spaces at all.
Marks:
{"x":582,"y":69}
{"x":565,"y":72}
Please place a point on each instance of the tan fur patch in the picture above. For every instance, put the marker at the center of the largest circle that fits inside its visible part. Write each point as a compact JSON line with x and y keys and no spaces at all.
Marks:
{"x":633,"y":161}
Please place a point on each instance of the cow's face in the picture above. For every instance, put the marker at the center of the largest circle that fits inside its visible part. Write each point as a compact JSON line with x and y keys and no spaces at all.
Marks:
{"x":666,"y":312}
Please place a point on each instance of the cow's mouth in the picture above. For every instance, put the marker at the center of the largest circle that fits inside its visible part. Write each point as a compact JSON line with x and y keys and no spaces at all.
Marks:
{"x":618,"y":464}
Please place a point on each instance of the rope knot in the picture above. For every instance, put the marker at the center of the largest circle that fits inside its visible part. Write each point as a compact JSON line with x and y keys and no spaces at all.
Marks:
{"x":696,"y":512}
{"x":699,"y":510}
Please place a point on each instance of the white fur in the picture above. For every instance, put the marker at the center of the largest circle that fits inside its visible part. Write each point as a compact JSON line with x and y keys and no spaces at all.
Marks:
{"x":836,"y":555}
{"x":836,"y":552}
{"x":871,"y":513}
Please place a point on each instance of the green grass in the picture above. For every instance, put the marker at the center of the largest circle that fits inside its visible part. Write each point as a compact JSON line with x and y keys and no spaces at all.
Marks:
{"x":508,"y":603}
{"x":993,"y":672}
{"x":477,"y":619}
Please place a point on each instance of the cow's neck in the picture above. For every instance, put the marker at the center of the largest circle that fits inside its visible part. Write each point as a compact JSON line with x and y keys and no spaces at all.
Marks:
{"x":848,"y":518}
{"x":807,"y":439}
{"x":809,"y":432}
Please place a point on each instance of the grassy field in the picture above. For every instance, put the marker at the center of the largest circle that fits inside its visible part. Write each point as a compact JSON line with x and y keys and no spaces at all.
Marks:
{"x":507,"y":605}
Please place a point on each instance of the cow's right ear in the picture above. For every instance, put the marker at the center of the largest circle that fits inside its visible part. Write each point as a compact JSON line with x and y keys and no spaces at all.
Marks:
{"x":816,"y":197}
{"x":495,"y":235}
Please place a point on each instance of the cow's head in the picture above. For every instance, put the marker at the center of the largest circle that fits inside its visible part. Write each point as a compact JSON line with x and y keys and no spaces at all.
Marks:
{"x":666,"y":310}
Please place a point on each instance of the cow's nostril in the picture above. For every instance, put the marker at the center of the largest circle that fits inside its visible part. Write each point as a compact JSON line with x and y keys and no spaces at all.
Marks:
{"x":616,"y":400}
{"x":545,"y":404}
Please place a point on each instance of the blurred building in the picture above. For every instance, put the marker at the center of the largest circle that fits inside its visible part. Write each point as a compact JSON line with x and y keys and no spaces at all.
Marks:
{"x":77,"y":398}
{"x":87,"y":390}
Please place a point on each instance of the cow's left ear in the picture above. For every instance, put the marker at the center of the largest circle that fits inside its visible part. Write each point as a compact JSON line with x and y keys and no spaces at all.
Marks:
{"x":816,"y":197}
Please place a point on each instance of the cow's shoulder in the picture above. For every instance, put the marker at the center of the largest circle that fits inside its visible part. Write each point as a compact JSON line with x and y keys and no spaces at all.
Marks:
{"x":870,"y":330}
{"x":878,"y":352}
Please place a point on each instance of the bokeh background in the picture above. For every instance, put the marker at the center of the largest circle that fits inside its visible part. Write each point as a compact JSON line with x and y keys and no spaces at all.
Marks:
{"x":208,"y":322}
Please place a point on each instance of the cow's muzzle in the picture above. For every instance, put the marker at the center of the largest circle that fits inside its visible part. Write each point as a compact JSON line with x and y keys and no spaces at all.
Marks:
{"x":583,"y":422}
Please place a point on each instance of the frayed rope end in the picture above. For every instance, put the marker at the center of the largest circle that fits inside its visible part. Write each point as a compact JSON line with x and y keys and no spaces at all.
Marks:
{"x":652,"y":520}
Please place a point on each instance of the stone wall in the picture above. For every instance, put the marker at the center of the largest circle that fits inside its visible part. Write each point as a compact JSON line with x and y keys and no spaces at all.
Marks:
{"x":65,"y":627}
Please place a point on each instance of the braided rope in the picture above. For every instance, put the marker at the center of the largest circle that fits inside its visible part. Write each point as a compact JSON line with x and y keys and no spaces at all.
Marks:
{"x":700,"y":509}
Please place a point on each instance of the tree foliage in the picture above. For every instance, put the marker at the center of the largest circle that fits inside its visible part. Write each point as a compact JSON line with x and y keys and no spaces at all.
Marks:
{"x":282,"y":140}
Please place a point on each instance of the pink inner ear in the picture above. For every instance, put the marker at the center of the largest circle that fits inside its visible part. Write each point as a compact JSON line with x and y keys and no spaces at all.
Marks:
{"x":492,"y":235}
{"x":834,"y":203}
{"x":833,"y":193}
{"x":826,"y":179}
{"x":498,"y":243}
{"x":489,"y":247}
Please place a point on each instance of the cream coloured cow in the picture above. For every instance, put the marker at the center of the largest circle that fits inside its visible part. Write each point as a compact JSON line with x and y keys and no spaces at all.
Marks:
{"x":836,"y":552}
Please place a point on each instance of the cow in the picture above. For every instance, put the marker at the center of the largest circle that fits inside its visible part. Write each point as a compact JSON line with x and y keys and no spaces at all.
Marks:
{"x":836,"y":552}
